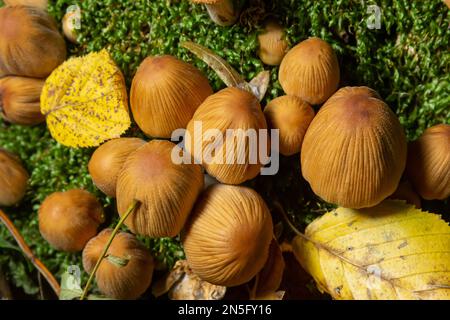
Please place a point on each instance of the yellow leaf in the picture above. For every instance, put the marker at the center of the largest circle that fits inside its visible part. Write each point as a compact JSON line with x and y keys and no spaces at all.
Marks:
{"x":391,"y":251}
{"x":85,"y":101}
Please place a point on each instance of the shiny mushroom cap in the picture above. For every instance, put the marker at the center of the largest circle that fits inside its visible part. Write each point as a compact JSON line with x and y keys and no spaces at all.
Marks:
{"x":127,"y":270}
{"x":273,"y":45}
{"x":20,"y":100}
{"x":13,"y":179}
{"x":227,"y":115}
{"x":165,"y":94}
{"x":167,"y":191}
{"x":227,"y":238}
{"x":30,"y":43}
{"x":428,"y":165}
{"x":354,"y":151}
{"x":292,"y":116}
{"x":310,"y":70}
{"x":41,"y":4}
{"x":67,"y":220}
{"x":107,"y":161}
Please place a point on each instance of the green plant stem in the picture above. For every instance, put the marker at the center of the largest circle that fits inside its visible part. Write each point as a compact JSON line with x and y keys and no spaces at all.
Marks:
{"x":130,"y":209}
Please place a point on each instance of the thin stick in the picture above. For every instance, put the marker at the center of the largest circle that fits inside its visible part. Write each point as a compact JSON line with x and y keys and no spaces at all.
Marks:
{"x":28,"y":253}
{"x":280,"y":209}
{"x":130,"y":209}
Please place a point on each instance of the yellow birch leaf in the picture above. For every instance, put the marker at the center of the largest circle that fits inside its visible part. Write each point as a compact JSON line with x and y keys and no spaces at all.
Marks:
{"x":391,"y":251}
{"x":85,"y":101}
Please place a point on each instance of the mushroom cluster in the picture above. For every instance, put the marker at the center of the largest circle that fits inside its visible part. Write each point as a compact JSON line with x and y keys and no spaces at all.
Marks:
{"x":31,"y":47}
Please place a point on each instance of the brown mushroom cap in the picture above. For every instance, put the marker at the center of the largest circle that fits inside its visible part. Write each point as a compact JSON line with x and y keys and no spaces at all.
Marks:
{"x":206,"y":1}
{"x":107,"y":161}
{"x":271,"y":274}
{"x":405,"y":192}
{"x":292,"y":116}
{"x":354,"y":151}
{"x":167,"y":191}
{"x":42,"y":4}
{"x":310,"y":70}
{"x":227,"y":238}
{"x":13,"y":179}
{"x":20,"y":100}
{"x":165,"y":94}
{"x":130,"y":276}
{"x":30,"y":43}
{"x":272,"y":44}
{"x":67,"y":220}
{"x":428,"y":165}
{"x":234,"y":109}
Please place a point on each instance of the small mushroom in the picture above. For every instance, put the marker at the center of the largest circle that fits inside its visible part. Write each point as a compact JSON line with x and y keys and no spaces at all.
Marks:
{"x":165,"y":94}
{"x":30,"y":43}
{"x":310,"y":70}
{"x":41,"y":4}
{"x":107,"y":161}
{"x":428,"y":165}
{"x":224,"y":13}
{"x":273,"y":45}
{"x":67,"y":220}
{"x":71,"y":23}
{"x":127,"y":270}
{"x":271,"y":275}
{"x":292,"y":116}
{"x":13,"y":179}
{"x":20,"y":100}
{"x":227,"y":238}
{"x":354,"y":151}
{"x":166,"y":191}
{"x":230,"y":113}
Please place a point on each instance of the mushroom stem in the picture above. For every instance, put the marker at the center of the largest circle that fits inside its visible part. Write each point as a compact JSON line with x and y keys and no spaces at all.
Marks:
{"x":224,"y":13}
{"x":130,"y":210}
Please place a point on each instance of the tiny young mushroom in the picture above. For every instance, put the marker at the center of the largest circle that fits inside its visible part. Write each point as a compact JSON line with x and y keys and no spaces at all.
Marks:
{"x":127,"y":270}
{"x":273,"y":45}
{"x":428,"y":165}
{"x":354,"y":151}
{"x":67,"y":220}
{"x":71,"y":23}
{"x":13,"y":179}
{"x":165,"y":93}
{"x":292,"y":116}
{"x":166,"y":191}
{"x":20,"y":100}
{"x":30,"y":43}
{"x":223,"y":12}
{"x":227,"y":237}
{"x":310,"y":70}
{"x":107,"y":161}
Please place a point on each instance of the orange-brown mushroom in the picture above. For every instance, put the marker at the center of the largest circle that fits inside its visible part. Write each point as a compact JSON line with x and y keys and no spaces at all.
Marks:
{"x":428,"y":165}
{"x":273,"y":45}
{"x":167,"y":191}
{"x":291,"y":116}
{"x":227,"y":238}
{"x":20,"y":100}
{"x":107,"y":161}
{"x":13,"y":179}
{"x":223,"y":12}
{"x":41,"y":4}
{"x":354,"y":151}
{"x":127,"y":270}
{"x":67,"y":220}
{"x":30,"y":43}
{"x":310,"y":70}
{"x":165,"y":94}
{"x":231,"y":116}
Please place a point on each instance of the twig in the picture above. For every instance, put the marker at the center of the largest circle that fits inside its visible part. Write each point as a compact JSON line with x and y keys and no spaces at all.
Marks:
{"x":130,"y":209}
{"x":280,"y":210}
{"x":28,"y":253}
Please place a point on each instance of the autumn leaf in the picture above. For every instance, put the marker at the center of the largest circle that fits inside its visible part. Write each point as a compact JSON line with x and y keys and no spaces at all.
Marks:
{"x":85,"y":101}
{"x":391,"y":251}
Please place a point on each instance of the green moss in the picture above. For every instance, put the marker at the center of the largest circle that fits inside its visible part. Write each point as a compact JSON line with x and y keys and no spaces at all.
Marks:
{"x":406,"y":61}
